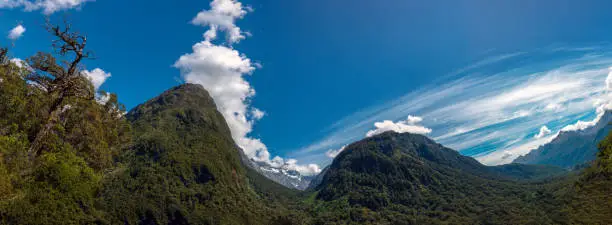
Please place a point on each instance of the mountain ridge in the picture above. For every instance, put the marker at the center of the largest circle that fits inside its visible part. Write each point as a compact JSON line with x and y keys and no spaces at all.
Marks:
{"x":183,"y":167}
{"x":570,"y":149}
{"x":408,"y":177}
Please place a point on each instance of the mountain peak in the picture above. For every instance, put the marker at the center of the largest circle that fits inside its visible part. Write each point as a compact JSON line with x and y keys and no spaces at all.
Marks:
{"x":417,"y":146}
{"x":186,"y":95}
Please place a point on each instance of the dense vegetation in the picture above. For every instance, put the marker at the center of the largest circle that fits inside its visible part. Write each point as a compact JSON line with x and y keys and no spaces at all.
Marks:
{"x":67,"y":157}
{"x":56,"y":140}
{"x":183,"y":167}
{"x":409,"y":179}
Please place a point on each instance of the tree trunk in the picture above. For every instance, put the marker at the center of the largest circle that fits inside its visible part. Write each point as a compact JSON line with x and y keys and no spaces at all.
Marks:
{"x":54,"y":117}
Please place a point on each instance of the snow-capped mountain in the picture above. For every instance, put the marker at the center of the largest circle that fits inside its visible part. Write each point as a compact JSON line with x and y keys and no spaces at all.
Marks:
{"x":288,"y":178}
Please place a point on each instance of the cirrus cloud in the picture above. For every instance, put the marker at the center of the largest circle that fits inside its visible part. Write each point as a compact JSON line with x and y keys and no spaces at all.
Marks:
{"x":491,"y":110}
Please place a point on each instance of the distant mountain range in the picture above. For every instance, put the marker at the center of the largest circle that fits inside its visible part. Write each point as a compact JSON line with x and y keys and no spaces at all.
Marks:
{"x":571,"y":148}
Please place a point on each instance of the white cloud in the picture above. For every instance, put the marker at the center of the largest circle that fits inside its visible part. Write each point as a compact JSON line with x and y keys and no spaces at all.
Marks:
{"x":222,"y":16}
{"x":332,"y":153}
{"x":47,"y":6}
{"x":292,"y":164}
{"x":257,"y":114}
{"x":601,"y":104}
{"x":96,"y":76}
{"x":413,"y":119}
{"x":16,"y":32}
{"x":310,"y":169}
{"x":543,"y":132}
{"x":554,"y":107}
{"x":221,"y":70}
{"x":581,"y":125}
{"x":103,"y":99}
{"x":403,"y":126}
{"x":508,"y":155}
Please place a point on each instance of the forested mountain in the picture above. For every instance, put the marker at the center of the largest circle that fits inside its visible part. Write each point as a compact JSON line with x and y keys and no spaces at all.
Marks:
{"x":570,"y":148}
{"x":410,"y":179}
{"x":182,"y":168}
{"x":69,"y":157}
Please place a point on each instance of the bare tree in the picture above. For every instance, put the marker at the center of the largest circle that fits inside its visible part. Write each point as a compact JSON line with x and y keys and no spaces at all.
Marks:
{"x":60,"y":81}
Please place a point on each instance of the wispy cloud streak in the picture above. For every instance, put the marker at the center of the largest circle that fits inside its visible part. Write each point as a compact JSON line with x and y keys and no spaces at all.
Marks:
{"x":494,"y":116}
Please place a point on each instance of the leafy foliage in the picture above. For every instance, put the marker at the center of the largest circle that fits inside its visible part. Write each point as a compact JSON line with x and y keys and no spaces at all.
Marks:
{"x":58,"y":181}
{"x":589,"y":201}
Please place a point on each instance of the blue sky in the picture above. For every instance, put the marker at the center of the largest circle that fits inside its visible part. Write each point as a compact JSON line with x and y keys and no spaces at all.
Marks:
{"x":325,"y":71}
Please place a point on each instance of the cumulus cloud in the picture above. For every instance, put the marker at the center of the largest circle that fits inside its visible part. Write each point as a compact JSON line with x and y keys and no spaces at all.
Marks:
{"x":96,"y":76}
{"x":332,"y":153}
{"x":310,"y":169}
{"x":221,"y":70}
{"x":16,"y":32}
{"x":404,"y":126}
{"x":292,"y":164}
{"x":47,"y":6}
{"x":222,"y":17}
{"x":543,"y":132}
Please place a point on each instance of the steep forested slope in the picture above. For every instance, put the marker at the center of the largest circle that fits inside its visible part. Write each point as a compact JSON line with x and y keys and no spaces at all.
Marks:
{"x":183,"y":167}
{"x":589,"y":201}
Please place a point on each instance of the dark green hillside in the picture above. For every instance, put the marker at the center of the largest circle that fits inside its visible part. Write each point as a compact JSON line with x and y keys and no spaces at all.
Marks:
{"x":523,"y":172}
{"x":409,"y":179}
{"x":183,"y":167}
{"x":589,"y":201}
